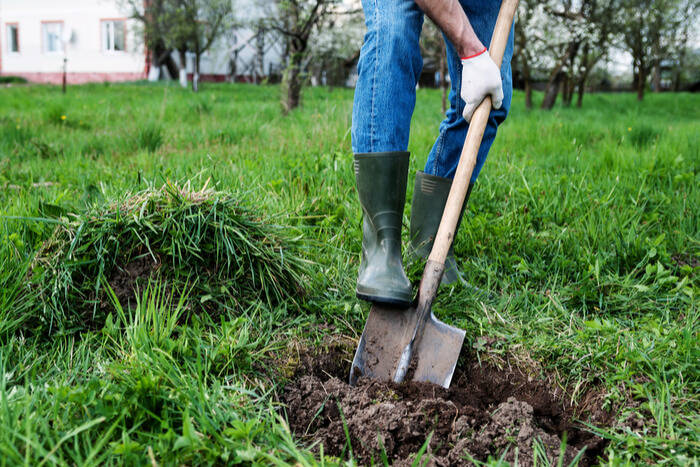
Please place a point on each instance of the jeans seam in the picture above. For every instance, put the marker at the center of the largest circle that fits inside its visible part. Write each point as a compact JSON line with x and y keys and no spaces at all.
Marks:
{"x":460,"y":107}
{"x":438,"y":152}
{"x":374,"y":80}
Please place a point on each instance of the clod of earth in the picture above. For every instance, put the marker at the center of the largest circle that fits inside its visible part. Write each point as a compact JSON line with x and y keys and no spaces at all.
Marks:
{"x":485,"y":412}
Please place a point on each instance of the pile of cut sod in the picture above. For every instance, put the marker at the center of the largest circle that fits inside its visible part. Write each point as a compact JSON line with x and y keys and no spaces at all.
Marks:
{"x":205,"y":244}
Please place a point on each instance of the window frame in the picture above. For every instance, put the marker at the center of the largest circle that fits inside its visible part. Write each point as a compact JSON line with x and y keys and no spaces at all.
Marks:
{"x":8,"y":25}
{"x":103,"y":25}
{"x":44,"y":37}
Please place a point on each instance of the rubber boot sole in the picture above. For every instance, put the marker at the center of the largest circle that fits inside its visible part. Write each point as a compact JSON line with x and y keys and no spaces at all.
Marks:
{"x":375,"y":296}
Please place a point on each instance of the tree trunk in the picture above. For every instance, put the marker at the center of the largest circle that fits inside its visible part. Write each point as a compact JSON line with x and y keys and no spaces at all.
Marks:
{"x":640,"y":76}
{"x":291,"y":82}
{"x":443,"y":76}
{"x":158,"y":55}
{"x":579,"y":100}
{"x":65,"y":75}
{"x":657,"y":76}
{"x":195,"y":74}
{"x":259,"y":70}
{"x":528,"y":93}
{"x":581,"y":90}
{"x":183,"y":68}
{"x":677,"y":79}
{"x":171,"y":66}
{"x":567,"y":91}
{"x":677,"y":75}
{"x":233,"y":67}
{"x":556,"y":77}
{"x":550,"y":95}
{"x":678,"y":70}
{"x":527,"y":80}
{"x":641,"y":84}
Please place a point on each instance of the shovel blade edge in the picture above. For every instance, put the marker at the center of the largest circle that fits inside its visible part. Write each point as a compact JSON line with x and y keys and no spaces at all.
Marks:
{"x":437,"y":351}
{"x":387,"y":332}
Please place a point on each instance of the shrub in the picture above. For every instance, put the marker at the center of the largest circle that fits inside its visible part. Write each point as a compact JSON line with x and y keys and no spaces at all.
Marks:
{"x":12,"y":80}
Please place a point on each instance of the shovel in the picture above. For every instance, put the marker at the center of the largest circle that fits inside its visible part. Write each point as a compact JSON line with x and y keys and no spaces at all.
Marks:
{"x":412,"y":343}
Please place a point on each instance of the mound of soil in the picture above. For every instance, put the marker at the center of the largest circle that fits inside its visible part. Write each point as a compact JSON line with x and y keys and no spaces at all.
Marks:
{"x":485,"y":412}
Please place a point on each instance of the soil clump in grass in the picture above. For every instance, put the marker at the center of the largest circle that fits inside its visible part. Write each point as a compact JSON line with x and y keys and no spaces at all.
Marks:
{"x":486,"y":412}
{"x":127,"y":281}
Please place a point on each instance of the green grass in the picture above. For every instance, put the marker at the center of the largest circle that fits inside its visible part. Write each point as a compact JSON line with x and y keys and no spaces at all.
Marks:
{"x":583,"y":228}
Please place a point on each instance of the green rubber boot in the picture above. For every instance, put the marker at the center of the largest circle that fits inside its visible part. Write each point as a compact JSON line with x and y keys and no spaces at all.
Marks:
{"x":429,"y":198}
{"x":381,"y":186}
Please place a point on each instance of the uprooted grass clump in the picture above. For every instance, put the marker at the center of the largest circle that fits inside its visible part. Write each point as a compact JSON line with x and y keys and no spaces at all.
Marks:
{"x":203,"y":241}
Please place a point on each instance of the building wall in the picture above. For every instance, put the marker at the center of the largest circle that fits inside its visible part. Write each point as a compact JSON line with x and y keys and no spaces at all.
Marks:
{"x":86,"y":59}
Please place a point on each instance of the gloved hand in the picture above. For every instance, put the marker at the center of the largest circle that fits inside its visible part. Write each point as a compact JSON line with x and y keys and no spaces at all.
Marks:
{"x":480,"y":77}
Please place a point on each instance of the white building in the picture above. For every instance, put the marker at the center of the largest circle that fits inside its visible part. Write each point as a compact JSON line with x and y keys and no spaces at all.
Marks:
{"x":99,"y":42}
{"x":94,"y":37}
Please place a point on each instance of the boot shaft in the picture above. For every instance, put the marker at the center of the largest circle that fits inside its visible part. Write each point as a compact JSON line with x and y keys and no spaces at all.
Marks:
{"x":429,"y":198}
{"x":381,"y":187}
{"x":381,"y":184}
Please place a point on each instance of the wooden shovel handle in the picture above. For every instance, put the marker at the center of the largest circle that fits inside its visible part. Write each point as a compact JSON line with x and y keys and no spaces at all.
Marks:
{"x":467,"y":161}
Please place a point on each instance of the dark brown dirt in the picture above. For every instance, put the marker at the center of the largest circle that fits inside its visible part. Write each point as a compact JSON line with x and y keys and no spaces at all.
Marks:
{"x":683,"y":259}
{"x":485,"y":412}
{"x":126,"y":281}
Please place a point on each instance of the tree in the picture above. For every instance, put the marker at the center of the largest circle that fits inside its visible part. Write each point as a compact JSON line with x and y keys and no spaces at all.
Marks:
{"x":154,"y":24}
{"x":685,"y":34}
{"x":296,"y":21}
{"x":548,"y":35}
{"x":177,"y":37}
{"x":597,"y":45}
{"x":201,"y":23}
{"x":649,"y":33}
{"x":182,"y":26}
{"x":523,"y":57}
{"x":584,"y":30}
{"x":571,"y":30}
{"x":335,"y":47}
{"x":601,"y":18}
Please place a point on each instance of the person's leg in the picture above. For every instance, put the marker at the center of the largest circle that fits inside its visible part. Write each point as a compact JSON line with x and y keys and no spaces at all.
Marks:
{"x":444,"y":156}
{"x":389,"y":66}
{"x":388,"y":70}
{"x":431,"y":188}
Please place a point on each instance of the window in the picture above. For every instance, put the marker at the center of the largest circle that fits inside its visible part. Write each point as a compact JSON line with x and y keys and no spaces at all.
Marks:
{"x":13,"y":38}
{"x":52,"y":33}
{"x":113,"y":37}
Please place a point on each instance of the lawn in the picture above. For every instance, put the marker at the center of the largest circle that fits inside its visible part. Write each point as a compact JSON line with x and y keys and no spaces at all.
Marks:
{"x":171,"y":262}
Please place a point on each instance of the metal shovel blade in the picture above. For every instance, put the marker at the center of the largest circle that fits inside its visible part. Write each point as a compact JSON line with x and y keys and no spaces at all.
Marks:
{"x":387,"y":333}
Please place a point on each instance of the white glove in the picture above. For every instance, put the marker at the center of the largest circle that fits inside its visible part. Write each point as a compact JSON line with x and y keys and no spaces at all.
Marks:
{"x":480,"y":77}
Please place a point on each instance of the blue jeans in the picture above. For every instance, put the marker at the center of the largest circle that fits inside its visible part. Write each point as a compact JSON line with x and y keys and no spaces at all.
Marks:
{"x":389,"y":67}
